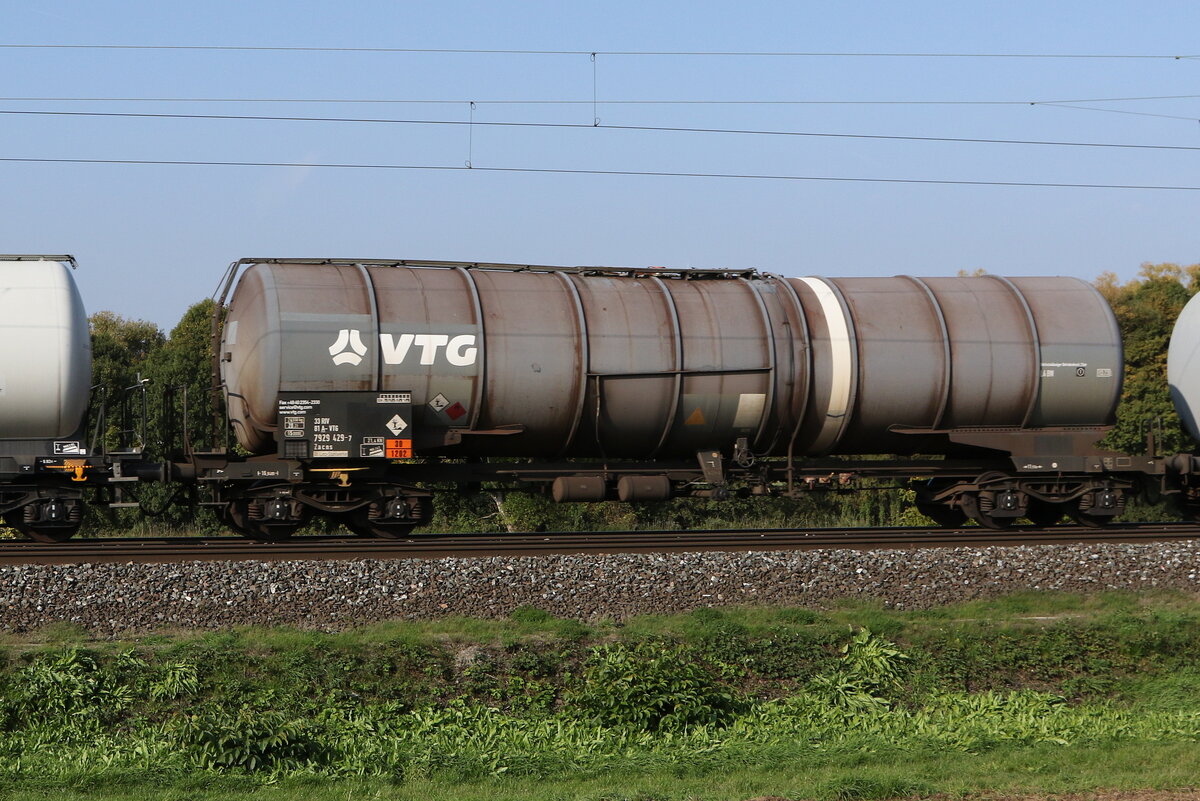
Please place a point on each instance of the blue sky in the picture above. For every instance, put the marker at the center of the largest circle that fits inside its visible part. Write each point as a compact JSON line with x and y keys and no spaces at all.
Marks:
{"x":152,"y":239}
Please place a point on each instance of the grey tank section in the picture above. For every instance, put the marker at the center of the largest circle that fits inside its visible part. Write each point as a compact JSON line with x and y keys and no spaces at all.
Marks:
{"x":645,"y":364}
{"x":46,"y":364}
{"x":1183,"y":367}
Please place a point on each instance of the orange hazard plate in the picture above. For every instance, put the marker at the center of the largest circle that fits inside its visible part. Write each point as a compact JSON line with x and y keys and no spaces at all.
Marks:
{"x":398,"y":448}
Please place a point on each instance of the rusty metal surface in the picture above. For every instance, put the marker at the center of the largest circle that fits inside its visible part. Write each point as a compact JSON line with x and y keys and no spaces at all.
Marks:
{"x":901,"y":351}
{"x":993,"y":363}
{"x":634,"y":358}
{"x":234,"y":549}
{"x":441,"y":302}
{"x":535,"y":354}
{"x":657,"y":364}
{"x":1082,"y":361}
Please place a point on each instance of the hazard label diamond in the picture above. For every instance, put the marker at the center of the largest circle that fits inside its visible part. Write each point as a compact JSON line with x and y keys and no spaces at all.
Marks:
{"x":396,"y":424}
{"x":439,"y":402}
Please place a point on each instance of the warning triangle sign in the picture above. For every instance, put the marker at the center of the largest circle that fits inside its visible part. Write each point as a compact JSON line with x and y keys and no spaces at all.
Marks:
{"x":696,"y":418}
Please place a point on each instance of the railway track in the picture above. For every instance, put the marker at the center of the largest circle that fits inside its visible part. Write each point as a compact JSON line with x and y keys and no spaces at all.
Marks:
{"x":180,"y":549}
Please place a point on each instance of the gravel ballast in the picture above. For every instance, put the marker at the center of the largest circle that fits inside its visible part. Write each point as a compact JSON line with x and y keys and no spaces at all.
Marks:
{"x":121,"y":599}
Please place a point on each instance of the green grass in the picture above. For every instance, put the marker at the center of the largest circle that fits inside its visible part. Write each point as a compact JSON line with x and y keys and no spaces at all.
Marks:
{"x":1007,"y":770}
{"x":1029,"y":692}
{"x":1022,"y":608}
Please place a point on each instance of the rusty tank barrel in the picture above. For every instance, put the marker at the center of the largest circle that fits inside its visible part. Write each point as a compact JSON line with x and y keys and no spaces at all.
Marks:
{"x":645,"y":363}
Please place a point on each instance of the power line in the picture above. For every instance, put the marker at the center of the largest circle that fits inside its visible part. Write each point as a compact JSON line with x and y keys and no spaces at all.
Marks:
{"x":560,"y":171}
{"x":552,"y":102}
{"x":576,"y":125}
{"x":1071,"y":105}
{"x":526,"y":52}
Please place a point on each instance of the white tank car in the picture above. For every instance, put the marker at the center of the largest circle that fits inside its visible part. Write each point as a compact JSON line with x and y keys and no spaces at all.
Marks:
{"x":1183,"y":366}
{"x":46,"y":364}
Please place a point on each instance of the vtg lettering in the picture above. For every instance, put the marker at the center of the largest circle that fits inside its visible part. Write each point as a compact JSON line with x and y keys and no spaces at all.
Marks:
{"x":459,"y":351}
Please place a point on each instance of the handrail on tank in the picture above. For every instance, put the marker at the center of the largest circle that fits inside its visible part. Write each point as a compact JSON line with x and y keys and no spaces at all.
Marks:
{"x":133,"y":437}
{"x":683,"y":273}
{"x":97,"y":446}
{"x":215,"y":326}
{"x":62,"y":259}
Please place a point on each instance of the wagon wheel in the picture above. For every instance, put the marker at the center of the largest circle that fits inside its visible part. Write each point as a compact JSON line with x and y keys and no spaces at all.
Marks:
{"x":1187,"y":511}
{"x":946,"y":512}
{"x":970,"y":506}
{"x":1088,"y":520}
{"x":359,"y":522}
{"x":274,"y":532}
{"x":236,"y":514}
{"x":945,"y":516}
{"x":1044,"y":513}
{"x":41,"y":532}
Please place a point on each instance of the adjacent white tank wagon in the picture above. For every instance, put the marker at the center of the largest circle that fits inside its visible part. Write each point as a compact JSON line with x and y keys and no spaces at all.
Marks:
{"x":45,"y":386}
{"x":46,"y":375}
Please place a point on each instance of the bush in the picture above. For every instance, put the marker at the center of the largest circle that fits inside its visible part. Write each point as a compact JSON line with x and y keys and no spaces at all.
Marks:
{"x":69,"y":689}
{"x":248,"y":739}
{"x":648,"y":688}
{"x":870,"y":669}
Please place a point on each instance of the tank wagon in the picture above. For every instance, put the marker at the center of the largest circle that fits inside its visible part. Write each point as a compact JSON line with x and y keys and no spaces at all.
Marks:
{"x":357,"y":385}
{"x":45,"y":386}
{"x":1183,"y":379}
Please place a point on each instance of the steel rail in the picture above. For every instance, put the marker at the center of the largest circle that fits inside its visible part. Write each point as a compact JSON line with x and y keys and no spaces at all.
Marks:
{"x":236,"y":549}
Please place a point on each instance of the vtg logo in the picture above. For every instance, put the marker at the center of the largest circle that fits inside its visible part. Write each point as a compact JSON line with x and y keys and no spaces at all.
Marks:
{"x":459,"y":351}
{"x":348,"y":348}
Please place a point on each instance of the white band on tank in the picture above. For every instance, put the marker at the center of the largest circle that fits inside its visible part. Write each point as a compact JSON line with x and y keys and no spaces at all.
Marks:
{"x":841,"y":371}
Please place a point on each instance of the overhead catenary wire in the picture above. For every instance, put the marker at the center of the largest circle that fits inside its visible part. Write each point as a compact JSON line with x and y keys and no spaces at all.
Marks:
{"x":566,"y":171}
{"x":1121,"y":111}
{"x":594,"y":101}
{"x":589,"y":52}
{"x":595,"y":124}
